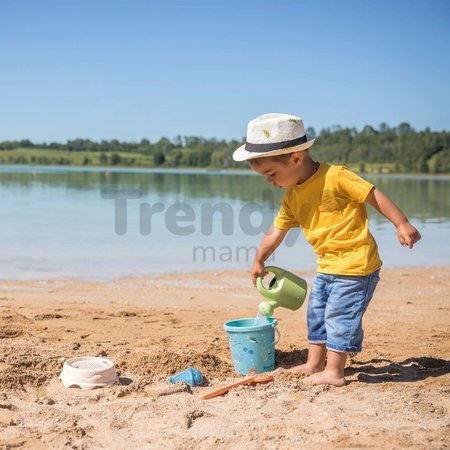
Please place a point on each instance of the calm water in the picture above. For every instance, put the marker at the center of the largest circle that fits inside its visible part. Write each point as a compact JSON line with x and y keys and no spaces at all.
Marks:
{"x":66,"y":222}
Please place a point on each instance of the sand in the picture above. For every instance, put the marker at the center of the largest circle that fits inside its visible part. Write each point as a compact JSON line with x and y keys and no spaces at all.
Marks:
{"x":397,"y":395}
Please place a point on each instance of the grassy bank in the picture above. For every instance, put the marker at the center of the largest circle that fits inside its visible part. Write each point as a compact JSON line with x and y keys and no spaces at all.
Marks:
{"x":39,"y":156}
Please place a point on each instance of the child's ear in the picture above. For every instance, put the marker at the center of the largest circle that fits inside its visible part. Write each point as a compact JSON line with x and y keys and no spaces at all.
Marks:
{"x":297,"y":158}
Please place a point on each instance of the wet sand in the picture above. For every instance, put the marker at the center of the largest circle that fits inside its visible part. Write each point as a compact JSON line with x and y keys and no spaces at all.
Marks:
{"x":397,"y":395}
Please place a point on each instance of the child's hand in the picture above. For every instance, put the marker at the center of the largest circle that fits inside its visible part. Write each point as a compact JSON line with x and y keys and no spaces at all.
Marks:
{"x":258,"y":271}
{"x":407,"y":234}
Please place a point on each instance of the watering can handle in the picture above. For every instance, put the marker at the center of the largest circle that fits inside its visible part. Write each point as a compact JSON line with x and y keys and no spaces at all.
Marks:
{"x":271,"y":269}
{"x":259,"y":284}
{"x":275,"y":342}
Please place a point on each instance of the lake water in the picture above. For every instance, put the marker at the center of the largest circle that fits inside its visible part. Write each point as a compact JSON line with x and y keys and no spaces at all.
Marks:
{"x":104,"y":223}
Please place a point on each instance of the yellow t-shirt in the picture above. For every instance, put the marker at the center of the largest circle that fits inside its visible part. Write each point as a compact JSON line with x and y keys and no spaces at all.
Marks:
{"x":329,"y":207}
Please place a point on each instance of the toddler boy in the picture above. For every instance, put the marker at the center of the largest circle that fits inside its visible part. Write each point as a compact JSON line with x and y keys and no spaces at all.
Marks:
{"x":328,"y":203}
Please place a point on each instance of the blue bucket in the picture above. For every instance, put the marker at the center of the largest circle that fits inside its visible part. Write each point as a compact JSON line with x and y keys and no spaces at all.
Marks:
{"x":252,"y":344}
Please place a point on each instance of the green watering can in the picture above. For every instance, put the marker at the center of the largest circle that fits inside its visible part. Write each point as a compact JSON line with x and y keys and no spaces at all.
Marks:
{"x":285,"y":289}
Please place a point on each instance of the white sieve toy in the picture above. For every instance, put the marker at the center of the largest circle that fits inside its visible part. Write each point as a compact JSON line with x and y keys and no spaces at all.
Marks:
{"x":89,"y":372}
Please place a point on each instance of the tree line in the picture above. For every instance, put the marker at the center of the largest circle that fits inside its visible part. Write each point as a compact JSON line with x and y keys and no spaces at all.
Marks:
{"x":388,"y":149}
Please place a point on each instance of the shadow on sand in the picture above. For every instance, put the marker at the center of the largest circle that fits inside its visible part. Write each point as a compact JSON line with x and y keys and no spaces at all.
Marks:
{"x":409,"y":370}
{"x":289,"y":359}
{"x":377,"y":370}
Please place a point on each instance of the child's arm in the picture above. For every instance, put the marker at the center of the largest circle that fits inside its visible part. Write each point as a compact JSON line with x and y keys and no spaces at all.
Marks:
{"x":271,"y":240}
{"x":406,"y":233}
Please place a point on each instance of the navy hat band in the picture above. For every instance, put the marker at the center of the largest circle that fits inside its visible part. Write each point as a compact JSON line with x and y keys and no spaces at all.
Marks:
{"x":262,"y":148}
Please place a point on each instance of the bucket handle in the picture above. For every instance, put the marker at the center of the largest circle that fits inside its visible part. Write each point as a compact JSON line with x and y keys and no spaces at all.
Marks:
{"x":275,"y":342}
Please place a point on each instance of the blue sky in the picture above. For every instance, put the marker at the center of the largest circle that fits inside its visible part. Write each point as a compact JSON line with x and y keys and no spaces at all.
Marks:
{"x":132,"y":69}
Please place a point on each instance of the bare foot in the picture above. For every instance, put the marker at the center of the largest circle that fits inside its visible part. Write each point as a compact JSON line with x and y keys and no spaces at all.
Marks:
{"x":325,"y":377}
{"x":306,"y":368}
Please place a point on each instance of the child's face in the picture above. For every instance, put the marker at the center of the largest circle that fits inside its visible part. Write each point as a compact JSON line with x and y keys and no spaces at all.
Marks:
{"x":282,"y":174}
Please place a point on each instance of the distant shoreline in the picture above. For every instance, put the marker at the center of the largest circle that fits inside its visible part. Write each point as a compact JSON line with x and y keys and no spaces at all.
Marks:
{"x":183,"y":170}
{"x":385,"y":150}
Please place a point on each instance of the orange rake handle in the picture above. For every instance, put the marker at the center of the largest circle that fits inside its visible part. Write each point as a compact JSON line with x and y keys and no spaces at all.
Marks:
{"x":259,"y":378}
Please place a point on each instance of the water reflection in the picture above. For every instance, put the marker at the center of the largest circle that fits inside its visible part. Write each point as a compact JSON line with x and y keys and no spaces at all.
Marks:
{"x":57,"y":223}
{"x":424,"y":199}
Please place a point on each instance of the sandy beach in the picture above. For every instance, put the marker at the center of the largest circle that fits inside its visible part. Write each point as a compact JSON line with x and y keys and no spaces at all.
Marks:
{"x":397,"y":395}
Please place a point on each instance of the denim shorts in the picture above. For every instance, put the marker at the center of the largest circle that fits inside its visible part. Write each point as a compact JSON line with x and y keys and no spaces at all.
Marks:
{"x":335,"y":310}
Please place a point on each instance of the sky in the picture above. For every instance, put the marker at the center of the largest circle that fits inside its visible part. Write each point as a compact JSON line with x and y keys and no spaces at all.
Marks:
{"x":133,"y":69}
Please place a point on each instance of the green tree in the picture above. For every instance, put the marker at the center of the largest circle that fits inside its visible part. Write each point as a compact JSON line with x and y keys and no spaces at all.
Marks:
{"x":158,"y":158}
{"x":115,"y":159}
{"x":404,"y":128}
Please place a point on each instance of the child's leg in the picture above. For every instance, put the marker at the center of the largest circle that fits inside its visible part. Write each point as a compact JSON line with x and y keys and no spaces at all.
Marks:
{"x":316,"y":360}
{"x":333,"y":373}
{"x":317,"y":335}
{"x":347,"y":302}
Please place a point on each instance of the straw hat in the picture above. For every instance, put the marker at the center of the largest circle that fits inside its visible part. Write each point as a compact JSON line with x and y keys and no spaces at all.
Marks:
{"x":273,"y":134}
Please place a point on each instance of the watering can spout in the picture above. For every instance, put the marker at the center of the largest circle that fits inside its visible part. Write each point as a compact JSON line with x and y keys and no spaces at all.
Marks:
{"x":266,"y":308}
{"x":286,"y":289}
